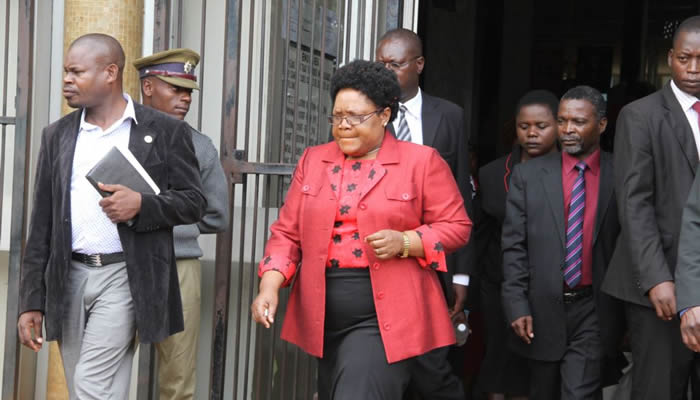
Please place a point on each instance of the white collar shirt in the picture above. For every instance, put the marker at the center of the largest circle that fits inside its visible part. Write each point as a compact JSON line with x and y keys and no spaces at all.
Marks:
{"x":93,"y":232}
{"x":414,"y":108}
{"x":687,"y":101}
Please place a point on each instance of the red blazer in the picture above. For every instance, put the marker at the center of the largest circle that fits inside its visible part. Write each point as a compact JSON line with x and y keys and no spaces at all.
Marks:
{"x":413,"y":190}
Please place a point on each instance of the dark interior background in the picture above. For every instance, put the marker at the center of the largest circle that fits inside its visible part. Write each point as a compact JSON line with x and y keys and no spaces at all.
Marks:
{"x":485,"y":54}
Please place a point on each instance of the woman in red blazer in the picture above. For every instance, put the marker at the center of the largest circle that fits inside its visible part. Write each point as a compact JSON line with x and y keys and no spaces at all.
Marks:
{"x":366,"y":223}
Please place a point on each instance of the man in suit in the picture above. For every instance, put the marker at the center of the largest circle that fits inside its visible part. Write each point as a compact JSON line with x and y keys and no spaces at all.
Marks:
{"x":656,"y":156}
{"x":688,"y":271}
{"x":558,"y":236}
{"x":167,"y":81}
{"x":100,"y":269}
{"x":438,"y":123}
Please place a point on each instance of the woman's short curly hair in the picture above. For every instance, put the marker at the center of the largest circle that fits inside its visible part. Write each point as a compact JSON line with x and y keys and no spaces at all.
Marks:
{"x":372,"y":79}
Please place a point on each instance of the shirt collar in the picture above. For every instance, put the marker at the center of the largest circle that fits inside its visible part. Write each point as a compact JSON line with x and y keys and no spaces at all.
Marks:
{"x":129,"y":113}
{"x":414,"y":105}
{"x":687,"y":101}
{"x":569,"y":162}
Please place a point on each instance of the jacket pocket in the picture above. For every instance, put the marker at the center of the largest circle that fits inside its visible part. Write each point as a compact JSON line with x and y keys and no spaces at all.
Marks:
{"x":405,"y":192}
{"x":400,"y":209}
{"x":310,"y":189}
{"x":310,"y":205}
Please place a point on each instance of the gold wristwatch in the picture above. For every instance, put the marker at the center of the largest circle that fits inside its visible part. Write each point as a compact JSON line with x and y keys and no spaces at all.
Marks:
{"x":406,"y":245}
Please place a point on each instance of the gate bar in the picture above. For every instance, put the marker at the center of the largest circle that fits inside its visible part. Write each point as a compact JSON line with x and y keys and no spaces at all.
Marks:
{"x":222,"y":274}
{"x":25,"y":72}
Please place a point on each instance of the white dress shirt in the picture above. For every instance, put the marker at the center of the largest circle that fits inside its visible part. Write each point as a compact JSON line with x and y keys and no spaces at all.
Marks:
{"x":92,"y":230}
{"x":414,"y":109}
{"x":687,"y":102}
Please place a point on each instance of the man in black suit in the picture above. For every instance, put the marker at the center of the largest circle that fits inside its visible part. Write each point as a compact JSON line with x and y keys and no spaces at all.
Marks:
{"x":438,"y":123}
{"x":656,"y":155}
{"x":558,"y":236}
{"x":688,"y":270}
{"x":100,"y":269}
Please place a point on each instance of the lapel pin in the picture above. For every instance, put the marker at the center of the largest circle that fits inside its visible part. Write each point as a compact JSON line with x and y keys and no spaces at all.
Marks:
{"x":148,"y":139}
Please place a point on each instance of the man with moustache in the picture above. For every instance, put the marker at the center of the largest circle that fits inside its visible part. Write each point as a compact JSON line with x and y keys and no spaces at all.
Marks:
{"x":656,"y":155}
{"x":438,"y":123}
{"x":98,"y":270}
{"x":558,"y":236}
{"x":167,"y":81}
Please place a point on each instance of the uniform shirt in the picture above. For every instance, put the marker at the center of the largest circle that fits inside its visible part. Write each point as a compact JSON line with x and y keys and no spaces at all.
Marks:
{"x":92,"y":231}
{"x":591,"y":177}
{"x":215,"y":189}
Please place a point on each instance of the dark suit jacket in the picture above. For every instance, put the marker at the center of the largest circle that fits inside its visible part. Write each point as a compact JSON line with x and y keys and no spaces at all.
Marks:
{"x":534,"y":250}
{"x":443,"y":130}
{"x":688,"y":267}
{"x":655,"y":162}
{"x":493,"y":178}
{"x":148,"y":244}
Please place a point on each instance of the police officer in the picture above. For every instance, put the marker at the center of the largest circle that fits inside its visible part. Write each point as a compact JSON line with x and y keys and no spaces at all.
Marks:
{"x":167,"y":81}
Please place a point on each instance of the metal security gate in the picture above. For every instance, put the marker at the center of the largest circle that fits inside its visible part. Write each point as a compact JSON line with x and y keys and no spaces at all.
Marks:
{"x":265,"y":367}
{"x":21,"y":121}
{"x":315,"y":36}
{"x":310,"y":38}
{"x":278,"y":57}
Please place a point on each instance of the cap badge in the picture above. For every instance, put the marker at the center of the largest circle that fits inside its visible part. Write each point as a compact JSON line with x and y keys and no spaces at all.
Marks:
{"x":188,"y":67}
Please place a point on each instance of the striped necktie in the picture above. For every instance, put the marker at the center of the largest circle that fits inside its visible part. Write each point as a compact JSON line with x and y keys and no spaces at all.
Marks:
{"x":403,"y":133}
{"x":574,"y":230}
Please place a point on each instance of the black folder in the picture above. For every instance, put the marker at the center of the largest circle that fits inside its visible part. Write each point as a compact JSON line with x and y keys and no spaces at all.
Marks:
{"x":120,"y":167}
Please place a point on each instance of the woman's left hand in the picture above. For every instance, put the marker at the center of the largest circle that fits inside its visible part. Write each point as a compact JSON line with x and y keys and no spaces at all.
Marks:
{"x":386,"y":243}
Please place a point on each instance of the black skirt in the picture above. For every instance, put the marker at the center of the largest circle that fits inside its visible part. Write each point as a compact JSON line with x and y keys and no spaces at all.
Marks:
{"x":354,"y":364}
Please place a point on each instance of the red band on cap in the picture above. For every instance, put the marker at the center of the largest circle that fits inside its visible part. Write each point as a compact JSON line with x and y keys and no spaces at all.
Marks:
{"x":168,"y":73}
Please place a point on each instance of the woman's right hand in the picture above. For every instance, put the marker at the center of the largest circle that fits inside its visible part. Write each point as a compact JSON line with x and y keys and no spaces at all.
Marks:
{"x":264,"y":306}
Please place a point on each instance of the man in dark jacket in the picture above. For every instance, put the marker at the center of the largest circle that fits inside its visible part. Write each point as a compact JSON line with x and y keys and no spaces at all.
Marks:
{"x":558,"y":237}
{"x":98,"y":270}
{"x":656,"y":159}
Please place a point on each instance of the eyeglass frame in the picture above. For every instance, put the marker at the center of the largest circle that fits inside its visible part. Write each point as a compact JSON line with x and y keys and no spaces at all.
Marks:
{"x":363,"y":117}
{"x":394,"y":66}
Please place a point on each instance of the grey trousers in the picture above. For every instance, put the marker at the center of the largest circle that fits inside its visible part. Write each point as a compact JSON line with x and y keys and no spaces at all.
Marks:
{"x":97,"y":345}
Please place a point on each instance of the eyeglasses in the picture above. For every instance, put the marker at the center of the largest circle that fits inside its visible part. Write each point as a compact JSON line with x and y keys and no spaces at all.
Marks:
{"x":395,"y":66}
{"x":352,"y":120}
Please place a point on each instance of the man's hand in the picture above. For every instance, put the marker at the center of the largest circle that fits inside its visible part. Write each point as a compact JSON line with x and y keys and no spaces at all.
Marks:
{"x":523,"y":328}
{"x":122,"y":205}
{"x":29,"y":322}
{"x":663,"y":298}
{"x":690,"y":328}
{"x":460,"y":300}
